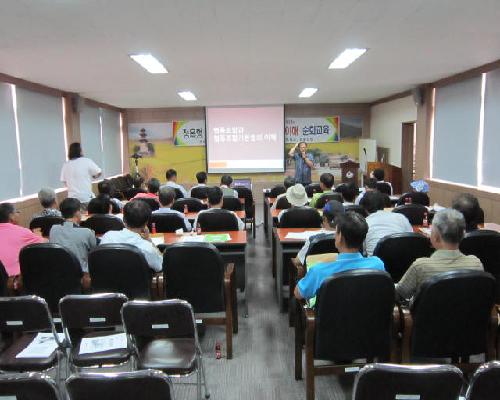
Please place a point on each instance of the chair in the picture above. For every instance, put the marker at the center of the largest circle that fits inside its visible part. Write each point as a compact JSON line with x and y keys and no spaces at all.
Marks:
{"x":199,"y":192}
{"x":246,"y":193}
{"x":216,"y":219}
{"x":312,"y":188}
{"x":45,"y":223}
{"x":416,"y":198}
{"x":451,"y":316}
{"x":152,"y":203}
{"x":283,"y":204}
{"x":207,"y":286}
{"x":414,"y":212}
{"x":321,"y":244}
{"x":131,"y":192}
{"x":325,"y":198}
{"x":120,"y":268}
{"x":341,"y":329}
{"x":22,"y":318}
{"x":51,"y":272}
{"x":178,"y":193}
{"x":300,"y":217}
{"x":91,"y":317}
{"x":167,"y":222}
{"x":4,"y":278}
{"x":194,"y":205}
{"x":32,"y":386}
{"x":390,"y":381}
{"x":399,"y":250}
{"x":231,"y":203}
{"x":384,"y":187}
{"x":276,"y":191}
{"x":139,"y":385}
{"x":102,"y":223}
{"x":485,"y":245}
{"x":164,"y":337}
{"x":485,"y":383}
{"x":357,"y":209}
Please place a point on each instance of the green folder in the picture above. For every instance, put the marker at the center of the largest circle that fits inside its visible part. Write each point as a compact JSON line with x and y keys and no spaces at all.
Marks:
{"x":217,"y":237}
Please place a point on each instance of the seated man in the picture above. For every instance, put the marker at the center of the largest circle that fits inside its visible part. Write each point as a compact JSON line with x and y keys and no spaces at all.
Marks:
{"x":47,"y":198}
{"x":70,"y":235}
{"x":171,"y":176}
{"x":332,"y":210}
{"x":381,"y":223}
{"x":468,"y":205}
{"x":13,"y":238}
{"x":167,"y":199}
{"x":201,"y":178}
{"x":418,"y":194}
{"x":326,"y":181}
{"x":288,"y":183}
{"x":370,"y":186}
{"x":136,"y":216}
{"x":215,"y":202}
{"x":296,"y":196}
{"x":448,"y":227}
{"x":153,"y":186}
{"x":379,"y":175}
{"x":350,"y":234}
{"x":349,"y":192}
{"x":100,"y":205}
{"x":105,"y":187}
{"x":225,"y":184}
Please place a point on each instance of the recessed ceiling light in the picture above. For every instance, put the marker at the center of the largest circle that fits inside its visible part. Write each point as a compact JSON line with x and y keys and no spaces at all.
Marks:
{"x":149,"y":63}
{"x":188,"y":96}
{"x":346,"y":58}
{"x":308,"y":92}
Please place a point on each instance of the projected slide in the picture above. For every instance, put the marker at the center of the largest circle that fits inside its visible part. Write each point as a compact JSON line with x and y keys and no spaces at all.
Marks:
{"x":245,"y":139}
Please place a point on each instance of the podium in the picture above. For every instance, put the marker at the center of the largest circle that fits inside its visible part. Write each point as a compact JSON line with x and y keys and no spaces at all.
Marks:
{"x":349,"y":170}
{"x":392,"y":173}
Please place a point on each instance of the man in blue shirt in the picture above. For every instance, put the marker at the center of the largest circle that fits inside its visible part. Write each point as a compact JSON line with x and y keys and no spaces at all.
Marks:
{"x":349,"y":237}
{"x":303,"y":163}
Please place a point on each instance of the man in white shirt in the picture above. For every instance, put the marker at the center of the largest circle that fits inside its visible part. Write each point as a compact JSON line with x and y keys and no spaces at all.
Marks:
{"x":296,"y":196}
{"x":201,"y":178}
{"x":379,"y":175}
{"x":215,"y":202}
{"x":381,"y":223}
{"x":171,"y":176}
{"x":167,"y":197}
{"x":135,"y":216}
{"x":77,"y":174}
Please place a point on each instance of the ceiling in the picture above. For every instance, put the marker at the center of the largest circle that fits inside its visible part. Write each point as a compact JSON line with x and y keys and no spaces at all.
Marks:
{"x":243,"y":51}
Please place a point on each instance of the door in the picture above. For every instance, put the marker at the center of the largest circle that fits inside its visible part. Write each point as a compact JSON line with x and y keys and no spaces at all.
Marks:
{"x":408,"y":154}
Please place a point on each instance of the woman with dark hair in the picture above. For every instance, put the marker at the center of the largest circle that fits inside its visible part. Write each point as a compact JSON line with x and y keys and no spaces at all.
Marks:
{"x":77,"y":174}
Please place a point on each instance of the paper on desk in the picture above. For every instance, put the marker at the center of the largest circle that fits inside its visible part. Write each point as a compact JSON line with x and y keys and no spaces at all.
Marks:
{"x":302,"y":235}
{"x":217,"y":237}
{"x":43,"y":345}
{"x":196,"y":239}
{"x":425,"y":231}
{"x":103,"y":343}
{"x":157,"y":240}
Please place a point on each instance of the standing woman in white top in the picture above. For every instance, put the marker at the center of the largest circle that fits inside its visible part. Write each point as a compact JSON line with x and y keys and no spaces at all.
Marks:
{"x":77,"y":174}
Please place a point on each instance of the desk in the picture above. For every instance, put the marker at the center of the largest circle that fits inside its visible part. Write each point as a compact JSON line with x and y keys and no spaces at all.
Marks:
{"x":491,"y":226}
{"x":191,"y":216}
{"x":267,"y":204}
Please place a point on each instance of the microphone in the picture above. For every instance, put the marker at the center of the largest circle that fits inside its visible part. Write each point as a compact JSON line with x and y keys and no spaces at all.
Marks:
{"x":364,"y":150}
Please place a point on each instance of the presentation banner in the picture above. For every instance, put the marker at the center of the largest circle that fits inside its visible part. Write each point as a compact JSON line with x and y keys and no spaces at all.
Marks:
{"x":312,"y":130}
{"x":189,"y":133}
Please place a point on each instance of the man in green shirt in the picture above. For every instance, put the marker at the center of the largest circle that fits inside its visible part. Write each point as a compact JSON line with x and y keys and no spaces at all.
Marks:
{"x":326,"y":185}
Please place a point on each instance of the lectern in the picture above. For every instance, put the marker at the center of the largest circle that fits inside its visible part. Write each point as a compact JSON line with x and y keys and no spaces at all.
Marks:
{"x":349,"y":170}
{"x":392,"y":173}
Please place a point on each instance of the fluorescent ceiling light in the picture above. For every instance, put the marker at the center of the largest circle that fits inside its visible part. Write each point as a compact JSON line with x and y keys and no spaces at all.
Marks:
{"x":346,"y":58}
{"x":308,"y":92}
{"x":149,"y":63}
{"x":188,"y":96}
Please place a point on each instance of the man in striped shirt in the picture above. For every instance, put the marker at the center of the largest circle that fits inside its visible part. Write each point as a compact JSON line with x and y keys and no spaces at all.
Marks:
{"x":448,"y":228}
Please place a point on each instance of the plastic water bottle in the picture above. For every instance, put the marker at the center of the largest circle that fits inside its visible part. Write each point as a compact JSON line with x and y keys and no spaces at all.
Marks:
{"x":218,"y":353}
{"x":186,"y":210}
{"x":198,"y":229}
{"x":153,"y":227}
{"x":425,"y":221}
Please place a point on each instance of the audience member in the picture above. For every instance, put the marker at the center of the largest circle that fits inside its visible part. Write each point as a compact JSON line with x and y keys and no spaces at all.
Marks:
{"x":13,"y":238}
{"x":370,"y":186}
{"x":100,"y":205}
{"x":288,"y":183}
{"x":379,"y":175}
{"x":448,"y":227}
{"x":171,"y":176}
{"x":105,"y":187}
{"x":418,"y":194}
{"x":47,"y":198}
{"x":349,"y":192}
{"x":76,"y":239}
{"x":296,"y":196}
{"x":136,"y":215}
{"x":468,"y":205}
{"x":167,"y":199}
{"x":326,"y":182}
{"x":381,"y":223}
{"x":350,"y":233}
{"x":225,"y":184}
{"x":153,"y":186}
{"x":215,"y":202}
{"x":201,"y":178}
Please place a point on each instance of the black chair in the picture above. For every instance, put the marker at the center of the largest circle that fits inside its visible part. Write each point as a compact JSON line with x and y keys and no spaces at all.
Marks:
{"x":283,"y":204}
{"x":207,"y":286}
{"x":399,"y":250}
{"x":167,"y":222}
{"x":340,"y":329}
{"x":120,"y":268}
{"x":131,"y":192}
{"x":414,"y":212}
{"x":102,"y":223}
{"x":199,"y":192}
{"x":321,"y":244}
{"x":45,"y":223}
{"x":276,"y":191}
{"x":139,"y":385}
{"x":32,"y":386}
{"x":452,"y":316}
{"x":485,"y":383}
{"x":22,"y":318}
{"x":178,"y":194}
{"x":246,"y":193}
{"x":325,"y":198}
{"x":300,"y":217}
{"x":414,"y":198}
{"x":216,"y":219}
{"x":4,"y":277}
{"x":357,"y":209}
{"x":152,"y":203}
{"x":90,"y":317}
{"x":164,"y":337}
{"x":312,"y":188}
{"x":193,"y":205}
{"x":384,"y":187}
{"x":51,"y":272}
{"x":231,"y":203}
{"x":390,"y":381}
{"x":485,"y":245}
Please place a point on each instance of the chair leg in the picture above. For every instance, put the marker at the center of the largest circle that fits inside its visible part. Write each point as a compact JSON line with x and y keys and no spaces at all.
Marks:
{"x":299,"y":341}
{"x":198,"y":382}
{"x":202,"y":367}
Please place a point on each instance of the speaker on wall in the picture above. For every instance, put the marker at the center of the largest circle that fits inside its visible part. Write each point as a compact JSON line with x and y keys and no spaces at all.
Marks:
{"x":75,"y":103}
{"x":418,"y":95}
